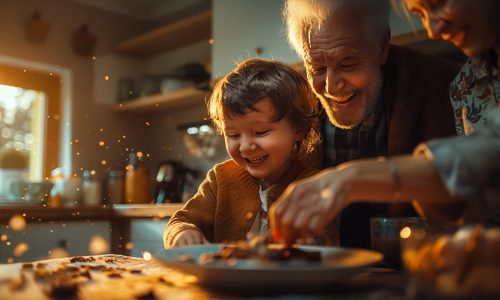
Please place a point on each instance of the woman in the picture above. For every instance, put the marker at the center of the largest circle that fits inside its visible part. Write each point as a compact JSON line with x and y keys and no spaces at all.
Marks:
{"x":452,"y":178}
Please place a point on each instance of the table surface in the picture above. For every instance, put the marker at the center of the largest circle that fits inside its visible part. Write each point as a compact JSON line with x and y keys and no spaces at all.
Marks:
{"x":123,"y":277}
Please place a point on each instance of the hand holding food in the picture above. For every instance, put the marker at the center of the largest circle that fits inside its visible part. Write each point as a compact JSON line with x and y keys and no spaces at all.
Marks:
{"x":308,"y":205}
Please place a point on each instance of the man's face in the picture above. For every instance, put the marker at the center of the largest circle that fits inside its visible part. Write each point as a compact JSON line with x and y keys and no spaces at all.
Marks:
{"x":344,"y":68}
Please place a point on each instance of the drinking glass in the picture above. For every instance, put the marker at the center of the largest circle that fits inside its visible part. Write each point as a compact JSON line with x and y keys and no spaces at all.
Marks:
{"x":386,"y":234}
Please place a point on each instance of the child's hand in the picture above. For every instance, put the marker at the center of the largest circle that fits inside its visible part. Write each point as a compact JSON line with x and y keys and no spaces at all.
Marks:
{"x":189,"y":237}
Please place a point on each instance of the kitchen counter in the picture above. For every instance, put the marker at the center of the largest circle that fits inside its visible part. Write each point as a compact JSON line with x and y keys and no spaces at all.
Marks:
{"x":119,"y":216}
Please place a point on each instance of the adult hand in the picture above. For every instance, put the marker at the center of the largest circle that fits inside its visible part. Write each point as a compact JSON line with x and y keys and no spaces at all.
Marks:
{"x":189,"y":237}
{"x":308,"y":205}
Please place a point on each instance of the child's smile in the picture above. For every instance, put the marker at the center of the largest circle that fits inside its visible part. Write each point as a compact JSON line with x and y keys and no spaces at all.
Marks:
{"x":260,"y":144}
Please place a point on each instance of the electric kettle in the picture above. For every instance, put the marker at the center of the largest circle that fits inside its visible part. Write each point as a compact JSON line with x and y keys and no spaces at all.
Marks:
{"x":170,"y":181}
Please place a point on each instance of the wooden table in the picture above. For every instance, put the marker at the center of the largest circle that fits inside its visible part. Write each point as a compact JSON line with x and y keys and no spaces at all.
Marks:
{"x":123,"y":277}
{"x":119,"y":216}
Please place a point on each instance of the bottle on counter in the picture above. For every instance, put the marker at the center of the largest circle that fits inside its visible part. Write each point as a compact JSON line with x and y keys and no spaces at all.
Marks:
{"x":92,"y":189}
{"x":137,"y":181}
{"x":115,"y":187}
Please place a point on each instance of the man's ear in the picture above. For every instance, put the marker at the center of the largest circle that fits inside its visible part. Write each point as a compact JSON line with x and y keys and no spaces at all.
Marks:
{"x":384,"y":47}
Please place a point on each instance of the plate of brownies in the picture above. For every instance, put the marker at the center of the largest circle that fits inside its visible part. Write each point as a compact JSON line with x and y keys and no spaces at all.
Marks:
{"x":252,"y":267}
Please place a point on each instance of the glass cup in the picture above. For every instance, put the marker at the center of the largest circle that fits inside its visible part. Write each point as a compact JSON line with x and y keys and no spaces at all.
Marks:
{"x":385,"y":237}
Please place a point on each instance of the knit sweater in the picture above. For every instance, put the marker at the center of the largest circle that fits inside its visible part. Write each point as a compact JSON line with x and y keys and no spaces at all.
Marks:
{"x":227,"y":202}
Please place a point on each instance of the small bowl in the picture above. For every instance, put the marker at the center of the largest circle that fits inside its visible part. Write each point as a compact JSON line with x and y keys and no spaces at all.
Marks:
{"x":33,"y":192}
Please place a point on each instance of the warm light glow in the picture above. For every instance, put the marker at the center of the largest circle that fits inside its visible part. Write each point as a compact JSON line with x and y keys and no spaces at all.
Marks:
{"x":21,"y":249}
{"x":98,"y":245}
{"x":405,"y":232}
{"x":17,"y":223}
{"x":326,"y":193}
{"x":103,"y":162}
{"x":211,"y":41}
{"x":147,"y":256}
{"x":3,"y":238}
{"x":129,"y":246}
{"x":92,"y":172}
{"x":106,"y":77}
{"x":139,"y":154}
{"x":57,"y":253}
{"x":101,"y":143}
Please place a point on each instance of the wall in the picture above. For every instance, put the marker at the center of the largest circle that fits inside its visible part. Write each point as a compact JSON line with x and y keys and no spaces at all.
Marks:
{"x":87,"y":115}
{"x":239,"y":26}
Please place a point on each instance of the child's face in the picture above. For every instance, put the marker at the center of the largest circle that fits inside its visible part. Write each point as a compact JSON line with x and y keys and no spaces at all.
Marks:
{"x":259,"y":145}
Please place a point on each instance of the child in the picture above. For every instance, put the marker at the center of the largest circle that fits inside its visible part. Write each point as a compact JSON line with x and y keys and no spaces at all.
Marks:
{"x":266,"y":111}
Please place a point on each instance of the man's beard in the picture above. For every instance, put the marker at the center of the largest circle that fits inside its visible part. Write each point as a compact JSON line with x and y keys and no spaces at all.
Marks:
{"x":349,"y":119}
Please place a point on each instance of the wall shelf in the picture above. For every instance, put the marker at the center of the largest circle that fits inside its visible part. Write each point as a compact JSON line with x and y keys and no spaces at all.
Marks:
{"x":160,"y":102}
{"x":168,"y":37}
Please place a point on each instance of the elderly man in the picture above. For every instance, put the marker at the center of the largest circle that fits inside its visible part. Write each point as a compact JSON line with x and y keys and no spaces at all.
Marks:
{"x":380,"y":99}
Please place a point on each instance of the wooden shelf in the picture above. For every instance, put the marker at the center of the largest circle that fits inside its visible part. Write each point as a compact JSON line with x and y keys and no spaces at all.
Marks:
{"x":159,"y":102}
{"x":169,"y":36}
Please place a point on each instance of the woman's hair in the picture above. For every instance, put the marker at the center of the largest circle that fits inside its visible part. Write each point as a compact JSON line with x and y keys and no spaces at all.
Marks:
{"x":303,"y":16}
{"x":237,"y":93}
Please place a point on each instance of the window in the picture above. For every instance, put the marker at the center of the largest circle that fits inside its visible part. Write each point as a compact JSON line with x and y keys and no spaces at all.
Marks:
{"x":30,"y":117}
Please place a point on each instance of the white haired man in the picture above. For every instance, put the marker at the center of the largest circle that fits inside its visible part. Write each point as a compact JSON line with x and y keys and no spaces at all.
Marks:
{"x":379,"y":99}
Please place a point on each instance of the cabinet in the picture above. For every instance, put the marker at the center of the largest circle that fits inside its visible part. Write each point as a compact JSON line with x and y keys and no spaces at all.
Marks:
{"x":153,"y":44}
{"x":41,"y":238}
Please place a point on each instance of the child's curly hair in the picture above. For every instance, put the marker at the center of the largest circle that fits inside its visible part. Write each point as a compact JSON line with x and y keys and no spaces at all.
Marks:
{"x":254,"y":79}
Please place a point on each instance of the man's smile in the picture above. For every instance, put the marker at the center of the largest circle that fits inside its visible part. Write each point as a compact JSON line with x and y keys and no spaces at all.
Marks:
{"x":344,"y":99}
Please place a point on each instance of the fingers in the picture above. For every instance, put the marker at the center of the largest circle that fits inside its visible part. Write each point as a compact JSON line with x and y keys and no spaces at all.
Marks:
{"x":282,"y":215}
{"x":189,"y":237}
{"x":306,"y":207}
{"x":203,"y":240}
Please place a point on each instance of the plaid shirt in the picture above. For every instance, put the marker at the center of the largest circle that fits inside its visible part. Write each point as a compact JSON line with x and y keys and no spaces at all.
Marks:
{"x":369,"y":139}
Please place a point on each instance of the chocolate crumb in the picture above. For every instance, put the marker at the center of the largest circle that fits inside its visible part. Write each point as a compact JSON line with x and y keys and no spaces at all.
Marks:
{"x":82,"y":259}
{"x":63,"y":288}
{"x":148,"y":295}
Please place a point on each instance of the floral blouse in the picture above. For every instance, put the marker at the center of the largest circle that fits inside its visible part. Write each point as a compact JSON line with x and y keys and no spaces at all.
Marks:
{"x":476,"y":89}
{"x":470,"y":166}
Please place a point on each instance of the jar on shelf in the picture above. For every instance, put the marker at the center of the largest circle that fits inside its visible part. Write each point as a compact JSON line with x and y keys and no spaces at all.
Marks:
{"x":115,"y":187}
{"x":137,"y":181}
{"x":92,"y":189}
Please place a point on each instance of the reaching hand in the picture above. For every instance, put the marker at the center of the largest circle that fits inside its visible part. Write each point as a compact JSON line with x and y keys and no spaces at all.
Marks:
{"x":308,"y":205}
{"x":189,"y":237}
